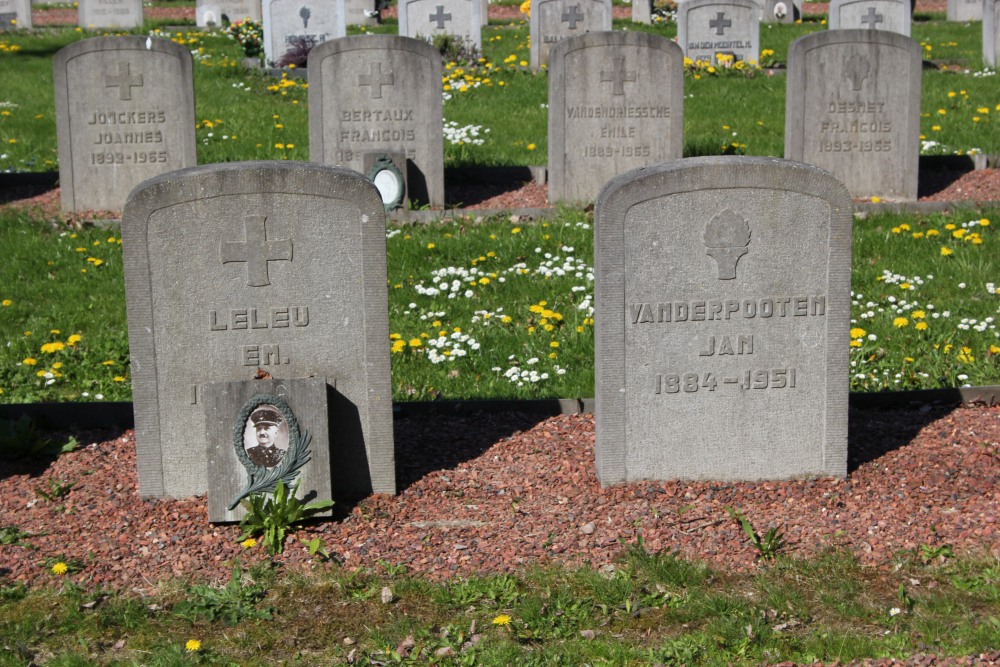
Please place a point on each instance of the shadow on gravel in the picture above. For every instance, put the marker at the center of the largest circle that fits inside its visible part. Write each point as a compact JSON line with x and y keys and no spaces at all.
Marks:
{"x":875,"y":431}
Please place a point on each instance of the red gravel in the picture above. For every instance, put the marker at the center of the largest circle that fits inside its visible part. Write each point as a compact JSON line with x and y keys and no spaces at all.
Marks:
{"x":496,"y":493}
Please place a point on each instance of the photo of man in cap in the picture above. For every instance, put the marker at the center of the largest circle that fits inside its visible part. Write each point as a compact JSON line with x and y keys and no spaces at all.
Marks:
{"x":266,"y":422}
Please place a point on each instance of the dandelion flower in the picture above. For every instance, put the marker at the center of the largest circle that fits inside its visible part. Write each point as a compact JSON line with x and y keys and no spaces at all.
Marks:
{"x":920,"y":326}
{"x":60,"y":568}
{"x":900,"y":322}
{"x":6,"y":302}
{"x":249,"y":543}
{"x":857,"y":332}
{"x":946,"y":251}
{"x":49,"y":348}
{"x":502,"y":620}
{"x":193,"y":645}
{"x":30,"y":361}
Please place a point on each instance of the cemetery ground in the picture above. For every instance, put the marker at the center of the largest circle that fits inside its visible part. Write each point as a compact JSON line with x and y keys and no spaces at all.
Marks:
{"x":501,"y":548}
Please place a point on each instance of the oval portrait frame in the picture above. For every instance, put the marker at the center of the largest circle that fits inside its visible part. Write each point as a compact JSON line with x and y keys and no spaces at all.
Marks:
{"x":261,"y":479}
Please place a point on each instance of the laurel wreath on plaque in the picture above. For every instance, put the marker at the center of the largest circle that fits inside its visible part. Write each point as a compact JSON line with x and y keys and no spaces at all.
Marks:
{"x":261,"y":479}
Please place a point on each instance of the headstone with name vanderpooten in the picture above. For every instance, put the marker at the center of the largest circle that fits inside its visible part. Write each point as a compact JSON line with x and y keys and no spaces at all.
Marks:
{"x":616,"y":102}
{"x":552,"y":21}
{"x":124,"y":113}
{"x":853,"y":108}
{"x":379,"y":94}
{"x":257,"y":269}
{"x":299,"y":25}
{"x":889,"y":15}
{"x":109,"y":13}
{"x":719,"y":31}
{"x":722,"y":297}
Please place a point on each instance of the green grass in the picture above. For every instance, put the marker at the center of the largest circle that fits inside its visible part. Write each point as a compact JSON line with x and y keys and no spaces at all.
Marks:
{"x":649,"y":609}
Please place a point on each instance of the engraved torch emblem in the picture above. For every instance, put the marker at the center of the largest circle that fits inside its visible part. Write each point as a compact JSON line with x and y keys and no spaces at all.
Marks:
{"x":727,"y":236}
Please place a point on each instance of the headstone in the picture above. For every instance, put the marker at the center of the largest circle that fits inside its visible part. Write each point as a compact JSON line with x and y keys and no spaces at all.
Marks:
{"x":853,"y":108}
{"x":965,"y":10}
{"x":425,"y":19}
{"x":240,"y":270}
{"x":552,"y":21}
{"x":219,"y":13}
{"x":361,"y":12}
{"x":780,"y":11}
{"x":15,"y":15}
{"x":616,"y":102}
{"x":300,"y":25}
{"x":889,"y":15}
{"x":707,"y":29}
{"x":109,"y":13}
{"x":376,"y":94}
{"x":723,"y":302}
{"x":642,"y":11}
{"x":991,"y":32}
{"x":259,"y":431}
{"x":124,"y":113}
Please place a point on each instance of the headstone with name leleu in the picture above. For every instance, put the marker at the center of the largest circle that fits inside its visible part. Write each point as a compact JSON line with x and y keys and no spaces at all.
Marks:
{"x":219,"y":13}
{"x":109,"y":14}
{"x":260,"y":431}
{"x":552,"y":21}
{"x":991,"y":32}
{"x":379,"y":94}
{"x":15,"y":15}
{"x":296,"y":26}
{"x":722,"y":294}
{"x":426,"y":19}
{"x":966,"y":10}
{"x":853,"y":108}
{"x":616,"y":102}
{"x":238,"y":268}
{"x":708,"y":29}
{"x":124,"y":113}
{"x":888,"y":15}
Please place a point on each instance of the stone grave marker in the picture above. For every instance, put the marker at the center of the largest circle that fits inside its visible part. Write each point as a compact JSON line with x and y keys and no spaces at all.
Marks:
{"x":360,"y":12}
{"x":642,"y":11}
{"x":291,"y":25}
{"x":109,"y":14}
{"x":991,"y":32}
{"x":218,"y":13}
{"x":257,"y":268}
{"x":780,"y":11}
{"x":379,"y":94}
{"x":853,"y":108}
{"x":616,"y":102}
{"x":707,"y":29}
{"x":425,"y":19}
{"x":552,"y":21}
{"x":890,"y":15}
{"x":15,"y":15}
{"x":723,"y":302}
{"x":966,"y":10}
{"x":124,"y":113}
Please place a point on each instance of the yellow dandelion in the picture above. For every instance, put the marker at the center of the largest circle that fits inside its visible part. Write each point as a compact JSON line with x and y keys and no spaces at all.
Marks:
{"x":415,"y":342}
{"x":398,"y":346}
{"x":60,"y":568}
{"x":857,"y":332}
{"x":30,"y":361}
{"x":56,"y":346}
{"x":516,"y":230}
{"x":248,"y":543}
{"x":945,"y":251}
{"x":502,"y":620}
{"x":74,"y":339}
{"x":900,"y":322}
{"x":6,"y":302}
{"x":920,"y":326}
{"x":853,"y":343}
{"x":192,"y":645}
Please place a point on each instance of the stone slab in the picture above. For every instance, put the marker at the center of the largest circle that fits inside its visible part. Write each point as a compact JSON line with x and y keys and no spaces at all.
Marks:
{"x":965,"y":10}
{"x":991,"y":32}
{"x":722,"y":299}
{"x":426,"y":19}
{"x":124,"y":113}
{"x":708,"y":28}
{"x":291,"y":23}
{"x":552,"y":21}
{"x":379,"y":93}
{"x":616,"y":102}
{"x":853,"y":108}
{"x":15,"y":15}
{"x":95,"y":14}
{"x":238,"y":268}
{"x":891,"y":15}
{"x":248,"y":407}
{"x":221,"y":12}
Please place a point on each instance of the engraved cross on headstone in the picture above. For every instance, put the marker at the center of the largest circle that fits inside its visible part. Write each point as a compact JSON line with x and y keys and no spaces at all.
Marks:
{"x":439,"y":17}
{"x":375,"y":79}
{"x":720,"y":23}
{"x":124,"y":81}
{"x":256,"y":251}
{"x":573,"y":16}
{"x":857,"y":70}
{"x":618,"y":76}
{"x":871,"y":19}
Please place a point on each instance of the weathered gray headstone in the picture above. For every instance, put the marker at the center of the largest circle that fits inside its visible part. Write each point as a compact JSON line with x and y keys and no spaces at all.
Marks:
{"x":780,"y":11}
{"x":965,"y":10}
{"x":259,"y":431}
{"x":642,"y":11}
{"x":124,"y":113}
{"x":295,"y":25}
{"x":361,"y":12}
{"x":552,"y":21}
{"x":707,"y":29}
{"x":616,"y":102}
{"x":221,"y":12}
{"x":278,"y":266}
{"x":109,"y":13}
{"x":722,"y":289}
{"x":991,"y":32}
{"x":853,"y":108}
{"x":379,"y":94}
{"x":890,"y":15}
{"x":426,"y":19}
{"x":15,"y":15}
